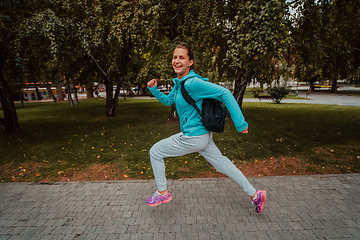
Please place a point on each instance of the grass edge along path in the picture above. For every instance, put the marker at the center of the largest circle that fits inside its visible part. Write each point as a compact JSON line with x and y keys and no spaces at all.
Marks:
{"x":63,"y":143}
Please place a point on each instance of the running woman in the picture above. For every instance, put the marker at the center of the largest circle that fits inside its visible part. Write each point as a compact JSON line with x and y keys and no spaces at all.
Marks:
{"x":194,"y":137}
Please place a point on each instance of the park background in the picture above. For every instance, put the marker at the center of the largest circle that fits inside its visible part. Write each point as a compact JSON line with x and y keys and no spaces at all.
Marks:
{"x":122,"y":44}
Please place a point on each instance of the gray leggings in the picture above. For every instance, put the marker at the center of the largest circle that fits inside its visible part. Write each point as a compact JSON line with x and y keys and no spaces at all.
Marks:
{"x":179,"y":145}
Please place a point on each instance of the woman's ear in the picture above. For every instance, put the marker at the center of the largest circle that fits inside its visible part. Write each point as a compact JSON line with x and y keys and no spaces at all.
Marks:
{"x":191,"y":62}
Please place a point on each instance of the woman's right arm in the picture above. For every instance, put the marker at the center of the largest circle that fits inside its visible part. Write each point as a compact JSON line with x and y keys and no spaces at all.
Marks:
{"x":167,"y":100}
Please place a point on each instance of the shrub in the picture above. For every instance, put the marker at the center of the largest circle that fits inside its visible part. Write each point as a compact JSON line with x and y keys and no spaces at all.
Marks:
{"x":278,"y":93}
{"x":256,"y":92}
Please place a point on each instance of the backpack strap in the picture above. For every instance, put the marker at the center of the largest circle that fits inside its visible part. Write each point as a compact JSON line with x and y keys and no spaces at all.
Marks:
{"x":188,"y":98}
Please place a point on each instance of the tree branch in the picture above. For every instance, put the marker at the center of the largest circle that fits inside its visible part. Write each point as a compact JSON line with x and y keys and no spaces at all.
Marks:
{"x":96,"y":62}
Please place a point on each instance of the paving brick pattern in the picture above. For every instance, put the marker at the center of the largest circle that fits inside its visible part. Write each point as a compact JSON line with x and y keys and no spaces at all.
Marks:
{"x":297,"y":207}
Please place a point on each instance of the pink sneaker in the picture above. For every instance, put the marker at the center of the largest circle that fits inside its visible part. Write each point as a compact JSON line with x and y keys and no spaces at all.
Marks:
{"x":260,"y":200}
{"x":157,"y":199}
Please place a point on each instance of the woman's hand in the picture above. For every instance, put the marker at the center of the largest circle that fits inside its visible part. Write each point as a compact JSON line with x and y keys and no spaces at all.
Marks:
{"x":245,"y":131}
{"x":152,"y":83}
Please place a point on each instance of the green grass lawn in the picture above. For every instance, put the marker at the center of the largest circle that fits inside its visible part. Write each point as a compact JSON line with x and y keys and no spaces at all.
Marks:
{"x":60,"y":140}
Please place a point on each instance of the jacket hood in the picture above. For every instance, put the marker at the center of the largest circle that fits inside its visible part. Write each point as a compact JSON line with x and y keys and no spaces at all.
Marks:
{"x":191,"y":74}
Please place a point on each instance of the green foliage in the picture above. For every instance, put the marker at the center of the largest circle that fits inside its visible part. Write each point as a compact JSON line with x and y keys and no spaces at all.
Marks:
{"x":326,"y":39}
{"x":256,"y":92}
{"x":137,"y":38}
{"x":70,"y":33}
{"x":126,"y":86}
{"x":258,"y":33}
{"x":278,"y":93}
{"x":133,"y":40}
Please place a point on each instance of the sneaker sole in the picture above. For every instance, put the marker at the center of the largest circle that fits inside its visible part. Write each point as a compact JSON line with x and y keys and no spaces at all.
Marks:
{"x":157,"y":204}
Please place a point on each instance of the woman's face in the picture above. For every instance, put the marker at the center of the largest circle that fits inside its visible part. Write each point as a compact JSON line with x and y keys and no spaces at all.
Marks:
{"x":181,"y":62}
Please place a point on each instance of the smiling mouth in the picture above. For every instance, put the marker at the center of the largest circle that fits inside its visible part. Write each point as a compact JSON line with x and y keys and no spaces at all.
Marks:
{"x":177,"y":67}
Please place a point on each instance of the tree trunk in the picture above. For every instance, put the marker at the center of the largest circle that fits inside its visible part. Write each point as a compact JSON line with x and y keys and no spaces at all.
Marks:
{"x":312,"y":80}
{"x":312,"y":86}
{"x":110,"y":101}
{"x":60,"y":92}
{"x":76,"y":100}
{"x":10,"y":123}
{"x":70,"y":100}
{"x":117,"y":92}
{"x":242,"y":78}
{"x":173,"y":113}
{"x":50,"y":93}
{"x":37,"y":95}
{"x":89,"y":90}
{"x":334,"y":86}
{"x":138,"y":89}
{"x":22,"y":98}
{"x":119,"y":81}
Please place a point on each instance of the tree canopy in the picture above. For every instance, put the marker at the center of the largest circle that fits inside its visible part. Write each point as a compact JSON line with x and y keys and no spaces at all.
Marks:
{"x":116,"y":41}
{"x":326,"y":39}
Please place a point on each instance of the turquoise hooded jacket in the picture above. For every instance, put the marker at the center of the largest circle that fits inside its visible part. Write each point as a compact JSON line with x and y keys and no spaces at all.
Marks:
{"x":199,"y":88}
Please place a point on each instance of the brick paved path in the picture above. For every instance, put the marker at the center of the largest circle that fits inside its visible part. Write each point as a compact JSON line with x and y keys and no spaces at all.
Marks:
{"x":297,"y":207}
